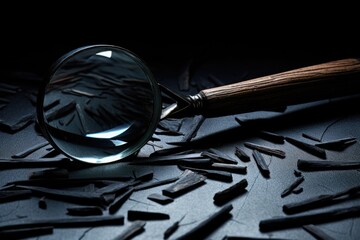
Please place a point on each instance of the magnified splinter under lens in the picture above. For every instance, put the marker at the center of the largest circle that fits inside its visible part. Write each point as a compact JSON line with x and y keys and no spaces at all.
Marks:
{"x":101,"y":104}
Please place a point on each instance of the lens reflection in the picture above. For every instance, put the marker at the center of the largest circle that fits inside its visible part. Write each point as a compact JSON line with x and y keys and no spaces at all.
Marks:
{"x":101,"y":104}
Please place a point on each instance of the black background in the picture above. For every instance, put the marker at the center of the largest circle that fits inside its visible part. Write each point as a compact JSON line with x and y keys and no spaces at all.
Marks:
{"x":32,"y":46}
{"x":39,"y":37}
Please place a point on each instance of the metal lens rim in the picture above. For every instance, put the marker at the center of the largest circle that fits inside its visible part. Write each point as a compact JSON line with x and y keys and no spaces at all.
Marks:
{"x":155,"y":118}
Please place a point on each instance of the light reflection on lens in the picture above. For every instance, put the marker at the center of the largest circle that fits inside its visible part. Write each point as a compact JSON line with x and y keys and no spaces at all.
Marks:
{"x":114,"y":132}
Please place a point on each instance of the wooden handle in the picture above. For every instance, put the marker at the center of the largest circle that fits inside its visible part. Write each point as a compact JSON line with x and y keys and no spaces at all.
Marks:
{"x":326,"y":80}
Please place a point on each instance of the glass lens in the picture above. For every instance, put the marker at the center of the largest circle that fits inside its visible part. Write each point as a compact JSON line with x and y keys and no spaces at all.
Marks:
{"x":101,"y":104}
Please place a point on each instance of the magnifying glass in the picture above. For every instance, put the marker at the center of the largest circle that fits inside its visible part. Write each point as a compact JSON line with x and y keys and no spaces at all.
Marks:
{"x":102,"y":103}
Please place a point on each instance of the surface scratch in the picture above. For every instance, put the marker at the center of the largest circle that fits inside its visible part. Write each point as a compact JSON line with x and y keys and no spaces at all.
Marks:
{"x":11,"y":210}
{"x":238,"y":222}
{"x":247,"y":195}
{"x":137,"y":201}
{"x":84,"y":233}
{"x":326,"y":187}
{"x":329,"y":125}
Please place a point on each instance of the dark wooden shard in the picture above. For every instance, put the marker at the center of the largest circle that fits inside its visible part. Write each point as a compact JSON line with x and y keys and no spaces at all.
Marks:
{"x":251,"y":238}
{"x":116,"y":187}
{"x":188,"y":180}
{"x":66,"y":122}
{"x":155,"y":184}
{"x":24,"y":233}
{"x":159,"y":198}
{"x":119,"y":201}
{"x":320,"y":165}
{"x":241,"y":154}
{"x":61,"y":111}
{"x":30,"y":150}
{"x":297,"y":173}
{"x":210,"y":174}
{"x":19,"y":125}
{"x":337,"y":144}
{"x":292,"y":186}
{"x":317,"y":232}
{"x":210,"y":224}
{"x":34,"y":163}
{"x":168,"y":151}
{"x":265,"y":150}
{"x":278,"y":223}
{"x":309,"y":148}
{"x":222,"y":155}
{"x":173,"y":161}
{"x":219,"y":156}
{"x":172,"y":229}
{"x":67,"y":195}
{"x":134,"y":215}
{"x":82,"y":119}
{"x":47,"y":106}
{"x":73,"y":222}
{"x":311,"y":137}
{"x":167,"y":132}
{"x":133,"y":230}
{"x":172,"y":156}
{"x":171,"y":124}
{"x":42,"y":203}
{"x":196,"y":124}
{"x":231,"y":192}
{"x":147,"y":176}
{"x":51,"y":153}
{"x":321,"y":200}
{"x":62,"y":183}
{"x":270,"y":136}
{"x":260,"y":162}
{"x":297,"y":190}
{"x":84,"y":211}
{"x":78,"y":92}
{"x":14,"y":195}
{"x":229,"y":168}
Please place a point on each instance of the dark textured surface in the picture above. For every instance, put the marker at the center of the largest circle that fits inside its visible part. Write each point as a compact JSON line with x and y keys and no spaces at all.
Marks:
{"x":326,"y":120}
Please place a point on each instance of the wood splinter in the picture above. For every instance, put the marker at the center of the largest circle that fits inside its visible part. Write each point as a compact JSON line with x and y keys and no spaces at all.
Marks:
{"x":278,"y":223}
{"x":210,"y":224}
{"x":231,"y":192}
{"x":134,"y":215}
{"x":292,"y":186}
{"x":241,"y":154}
{"x":317,"y":232}
{"x":159,"y":198}
{"x":42,"y":203}
{"x":265,"y":150}
{"x":187,"y":181}
{"x":320,"y":165}
{"x":133,"y":230}
{"x":321,"y":200}
{"x":309,"y":148}
{"x":170,"y":230}
{"x":260,"y":162}
{"x":84,"y":211}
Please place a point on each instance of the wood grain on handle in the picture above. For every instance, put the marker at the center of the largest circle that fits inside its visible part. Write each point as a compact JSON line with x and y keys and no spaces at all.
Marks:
{"x":321,"y":81}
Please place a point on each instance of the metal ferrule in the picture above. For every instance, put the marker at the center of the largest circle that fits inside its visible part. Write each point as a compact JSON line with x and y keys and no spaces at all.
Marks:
{"x":197,"y":102}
